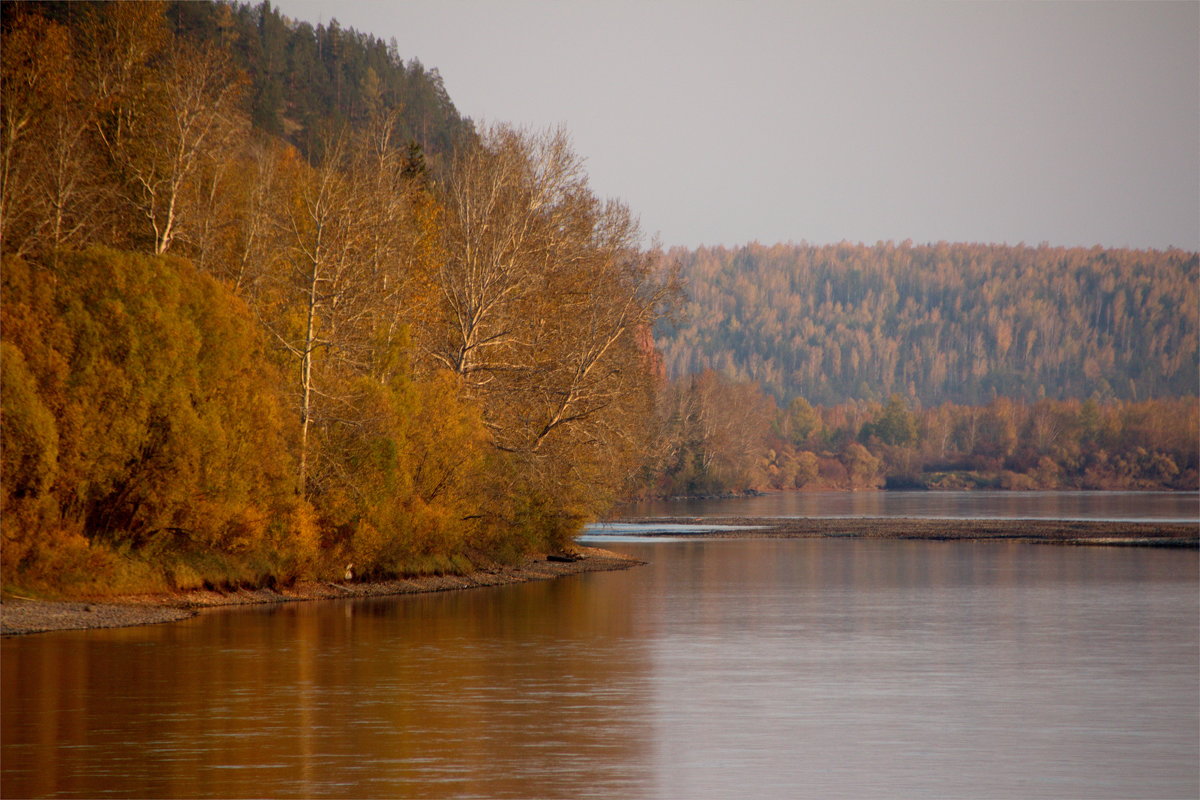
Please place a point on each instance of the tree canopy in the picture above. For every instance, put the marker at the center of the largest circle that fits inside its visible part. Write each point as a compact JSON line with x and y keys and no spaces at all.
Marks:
{"x":249,"y":340}
{"x":941,"y":323}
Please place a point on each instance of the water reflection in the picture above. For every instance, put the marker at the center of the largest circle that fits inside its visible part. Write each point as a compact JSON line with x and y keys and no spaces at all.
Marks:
{"x":512,"y":692}
{"x":747,"y":668}
{"x":914,"y":669}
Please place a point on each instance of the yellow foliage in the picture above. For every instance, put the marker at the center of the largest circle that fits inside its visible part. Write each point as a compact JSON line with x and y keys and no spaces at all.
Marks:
{"x":302,"y":540}
{"x":184,"y":439}
{"x":139,"y":408}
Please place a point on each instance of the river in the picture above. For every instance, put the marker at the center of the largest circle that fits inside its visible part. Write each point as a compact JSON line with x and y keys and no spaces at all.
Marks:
{"x":819,"y":668}
{"x":1127,"y":506}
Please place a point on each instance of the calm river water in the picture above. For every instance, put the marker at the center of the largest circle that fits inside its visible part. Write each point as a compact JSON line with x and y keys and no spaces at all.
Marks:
{"x":1130,"y":506}
{"x":732,"y":668}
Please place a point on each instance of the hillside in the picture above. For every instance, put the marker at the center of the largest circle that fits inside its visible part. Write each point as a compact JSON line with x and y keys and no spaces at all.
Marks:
{"x":940,"y":323}
{"x":246,"y":344}
{"x":308,"y":81}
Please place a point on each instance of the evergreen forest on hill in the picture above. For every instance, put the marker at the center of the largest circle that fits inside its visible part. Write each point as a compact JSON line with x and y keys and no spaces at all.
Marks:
{"x":304,"y":82}
{"x":961,"y":323}
{"x":270,"y":306}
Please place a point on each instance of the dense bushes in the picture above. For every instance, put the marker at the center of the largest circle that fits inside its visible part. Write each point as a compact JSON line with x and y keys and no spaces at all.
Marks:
{"x":150,"y":444}
{"x":141,"y":414}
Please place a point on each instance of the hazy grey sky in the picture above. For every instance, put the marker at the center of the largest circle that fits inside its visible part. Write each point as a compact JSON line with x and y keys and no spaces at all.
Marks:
{"x":1075,"y":123}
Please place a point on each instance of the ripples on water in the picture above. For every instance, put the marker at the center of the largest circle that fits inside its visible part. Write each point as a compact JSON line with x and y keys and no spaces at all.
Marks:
{"x":486,"y":693}
{"x":751,"y":668}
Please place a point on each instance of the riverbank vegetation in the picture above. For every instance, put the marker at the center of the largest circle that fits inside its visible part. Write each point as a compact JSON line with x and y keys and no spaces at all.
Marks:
{"x":231,"y":360}
{"x":272,"y":307}
{"x":719,"y":436}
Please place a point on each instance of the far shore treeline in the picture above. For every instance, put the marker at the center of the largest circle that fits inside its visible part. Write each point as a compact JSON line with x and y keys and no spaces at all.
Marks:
{"x":719,"y":436}
{"x":271,"y":307}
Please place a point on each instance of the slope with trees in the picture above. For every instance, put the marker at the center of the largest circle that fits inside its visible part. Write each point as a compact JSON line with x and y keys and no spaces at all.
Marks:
{"x":302,"y":81}
{"x":231,"y":359}
{"x":939,"y":323}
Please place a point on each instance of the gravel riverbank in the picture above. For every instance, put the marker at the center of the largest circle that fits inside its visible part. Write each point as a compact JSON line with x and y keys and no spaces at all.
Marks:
{"x":19,"y":615}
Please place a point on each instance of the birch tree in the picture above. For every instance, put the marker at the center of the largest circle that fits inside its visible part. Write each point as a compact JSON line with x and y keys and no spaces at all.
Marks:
{"x":165,"y":109}
{"x":48,"y":184}
{"x":194,"y":114}
{"x":545,"y":299}
{"x":313,"y":280}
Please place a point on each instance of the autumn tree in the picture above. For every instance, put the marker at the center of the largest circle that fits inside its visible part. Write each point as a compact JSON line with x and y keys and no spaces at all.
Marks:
{"x":317,"y":301}
{"x":49,"y":187}
{"x":862,"y":466}
{"x":545,"y":297}
{"x":142,"y":416}
{"x":717,"y":432}
{"x":168,"y":136}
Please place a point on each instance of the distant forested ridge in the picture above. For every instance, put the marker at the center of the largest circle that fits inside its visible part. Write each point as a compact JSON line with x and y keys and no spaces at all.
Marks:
{"x":938,"y":323}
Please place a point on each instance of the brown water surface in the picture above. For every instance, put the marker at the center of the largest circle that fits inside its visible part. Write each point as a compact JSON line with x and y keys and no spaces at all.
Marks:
{"x":738,"y":668}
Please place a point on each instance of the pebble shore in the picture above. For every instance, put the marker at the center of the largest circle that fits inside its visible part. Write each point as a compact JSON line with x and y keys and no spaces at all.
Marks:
{"x":21,"y":615}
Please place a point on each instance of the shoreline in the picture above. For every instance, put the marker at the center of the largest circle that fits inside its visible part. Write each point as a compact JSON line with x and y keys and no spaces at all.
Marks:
{"x":810,"y":488}
{"x":20,"y":615}
{"x":1039,"y":531}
